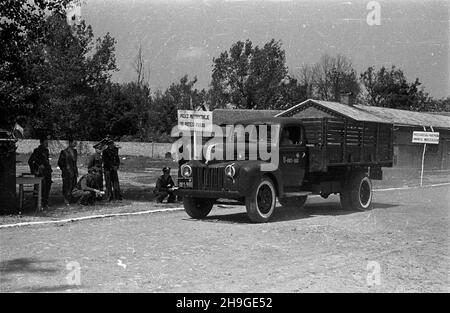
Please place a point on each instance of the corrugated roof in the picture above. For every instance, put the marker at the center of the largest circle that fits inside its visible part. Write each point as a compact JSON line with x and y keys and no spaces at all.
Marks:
{"x":440,"y":113}
{"x":231,"y":116}
{"x":376,"y":114}
{"x":403,"y":117}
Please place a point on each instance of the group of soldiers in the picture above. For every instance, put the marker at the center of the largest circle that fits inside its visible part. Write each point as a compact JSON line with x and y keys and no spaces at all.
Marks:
{"x":104,"y":162}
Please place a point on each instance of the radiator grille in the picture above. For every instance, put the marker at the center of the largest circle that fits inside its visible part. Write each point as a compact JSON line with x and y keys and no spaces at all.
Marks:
{"x":208,"y":178}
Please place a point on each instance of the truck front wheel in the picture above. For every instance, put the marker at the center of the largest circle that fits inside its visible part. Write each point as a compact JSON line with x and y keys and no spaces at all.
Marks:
{"x":196,"y":207}
{"x":261,"y":203}
{"x":356,"y":194}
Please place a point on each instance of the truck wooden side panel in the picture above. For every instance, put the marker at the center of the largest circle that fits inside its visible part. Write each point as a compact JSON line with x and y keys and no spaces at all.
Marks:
{"x":335,"y":142}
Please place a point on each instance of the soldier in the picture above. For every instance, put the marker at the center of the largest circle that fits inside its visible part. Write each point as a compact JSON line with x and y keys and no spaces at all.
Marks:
{"x":86,"y":190}
{"x":40,"y":166}
{"x":67,"y":162}
{"x":285,"y":138}
{"x":95,"y":162}
{"x":111,"y":162}
{"x":165,"y":187}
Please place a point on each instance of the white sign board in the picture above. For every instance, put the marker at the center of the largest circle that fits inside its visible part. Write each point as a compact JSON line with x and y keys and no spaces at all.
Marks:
{"x":195,"y":120}
{"x":426,"y":137}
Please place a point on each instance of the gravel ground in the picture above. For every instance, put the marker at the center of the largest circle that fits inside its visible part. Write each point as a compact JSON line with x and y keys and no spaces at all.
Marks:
{"x":318,"y":248}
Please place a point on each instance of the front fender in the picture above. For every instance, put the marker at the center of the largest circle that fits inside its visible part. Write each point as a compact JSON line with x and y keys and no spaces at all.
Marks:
{"x":249,"y":172}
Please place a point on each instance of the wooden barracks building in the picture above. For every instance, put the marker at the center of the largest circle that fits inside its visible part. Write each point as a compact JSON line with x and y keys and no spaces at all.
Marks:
{"x":406,"y":153}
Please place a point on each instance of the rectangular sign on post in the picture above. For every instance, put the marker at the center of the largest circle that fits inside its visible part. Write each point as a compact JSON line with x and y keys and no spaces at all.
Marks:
{"x":425,"y":137}
{"x":195,"y":120}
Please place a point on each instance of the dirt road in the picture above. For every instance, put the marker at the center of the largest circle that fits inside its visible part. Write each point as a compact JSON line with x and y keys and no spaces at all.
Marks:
{"x":401,"y":245}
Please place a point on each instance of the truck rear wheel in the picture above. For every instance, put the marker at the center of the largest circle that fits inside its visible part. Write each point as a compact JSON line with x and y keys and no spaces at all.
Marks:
{"x":261,"y":203}
{"x":357,"y":193}
{"x":197,"y":208}
{"x":297,"y":202}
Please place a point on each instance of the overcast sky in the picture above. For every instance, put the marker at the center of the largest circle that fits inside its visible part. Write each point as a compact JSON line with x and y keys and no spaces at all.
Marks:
{"x":182,"y":36}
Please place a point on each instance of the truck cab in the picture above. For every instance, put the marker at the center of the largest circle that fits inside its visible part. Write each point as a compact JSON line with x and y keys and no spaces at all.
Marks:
{"x":271,"y":159}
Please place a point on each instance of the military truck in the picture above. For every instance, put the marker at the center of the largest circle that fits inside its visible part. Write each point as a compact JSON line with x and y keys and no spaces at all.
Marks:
{"x":315,"y":156}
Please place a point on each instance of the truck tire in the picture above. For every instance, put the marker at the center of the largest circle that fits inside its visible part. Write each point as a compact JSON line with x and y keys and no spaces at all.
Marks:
{"x":197,"y":208}
{"x":357,"y":193}
{"x":297,"y":202}
{"x":261,"y":203}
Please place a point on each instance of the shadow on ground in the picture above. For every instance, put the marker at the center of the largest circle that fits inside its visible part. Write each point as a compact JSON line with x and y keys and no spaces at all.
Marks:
{"x":282,"y":214}
{"x":27,"y":265}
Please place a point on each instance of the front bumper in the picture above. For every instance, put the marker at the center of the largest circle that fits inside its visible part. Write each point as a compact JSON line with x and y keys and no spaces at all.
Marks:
{"x":208,"y":193}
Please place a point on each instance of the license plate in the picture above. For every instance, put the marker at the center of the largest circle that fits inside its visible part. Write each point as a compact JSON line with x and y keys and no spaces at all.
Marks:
{"x":185,"y":183}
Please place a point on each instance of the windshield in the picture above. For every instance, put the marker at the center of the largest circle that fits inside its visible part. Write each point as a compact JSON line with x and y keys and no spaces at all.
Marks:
{"x":257,"y":133}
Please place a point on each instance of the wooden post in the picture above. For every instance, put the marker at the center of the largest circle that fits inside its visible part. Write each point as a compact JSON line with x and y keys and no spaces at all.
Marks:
{"x":195,"y":145}
{"x":21,"y":196}
{"x":423,"y":161}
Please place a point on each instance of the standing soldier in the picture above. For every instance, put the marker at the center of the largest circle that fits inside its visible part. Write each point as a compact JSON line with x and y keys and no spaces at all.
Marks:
{"x":67,"y":162}
{"x":111,"y":162}
{"x":40,"y":166}
{"x":95,"y":163}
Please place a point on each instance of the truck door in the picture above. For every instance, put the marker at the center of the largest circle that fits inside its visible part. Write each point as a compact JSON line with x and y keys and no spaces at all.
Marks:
{"x":293,"y":155}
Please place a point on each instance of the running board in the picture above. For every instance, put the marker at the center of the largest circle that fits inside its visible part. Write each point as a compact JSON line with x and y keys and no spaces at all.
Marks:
{"x":297,"y":194}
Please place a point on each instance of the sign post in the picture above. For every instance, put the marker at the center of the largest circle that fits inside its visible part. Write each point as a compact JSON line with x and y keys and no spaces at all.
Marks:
{"x":425,"y":138}
{"x":196,"y":122}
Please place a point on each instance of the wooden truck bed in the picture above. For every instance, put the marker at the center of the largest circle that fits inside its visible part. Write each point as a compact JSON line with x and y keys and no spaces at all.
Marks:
{"x":334,"y":142}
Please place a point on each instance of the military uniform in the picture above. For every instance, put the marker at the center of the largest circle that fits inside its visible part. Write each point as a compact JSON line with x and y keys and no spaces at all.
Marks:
{"x":40,"y":166}
{"x":95,"y":163}
{"x":111,"y":164}
{"x":67,"y":162}
{"x":84,"y":193}
{"x":163,"y":188}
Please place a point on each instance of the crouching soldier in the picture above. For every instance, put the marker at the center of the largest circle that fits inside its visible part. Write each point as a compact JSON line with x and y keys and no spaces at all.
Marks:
{"x":165,"y":187}
{"x":87,"y":189}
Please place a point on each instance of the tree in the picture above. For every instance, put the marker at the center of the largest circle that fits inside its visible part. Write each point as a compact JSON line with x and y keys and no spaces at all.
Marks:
{"x":333,"y":76}
{"x":292,"y":92}
{"x":141,"y":94}
{"x":22,"y":26}
{"x":390,"y":88}
{"x":139,"y":67}
{"x":307,"y":79}
{"x":441,"y":105}
{"x":76,"y":70}
{"x":251,"y":77}
{"x":128,"y":110}
{"x":179,"y":96}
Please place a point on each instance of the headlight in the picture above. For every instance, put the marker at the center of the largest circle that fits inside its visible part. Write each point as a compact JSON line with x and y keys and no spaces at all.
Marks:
{"x":230,"y":171}
{"x":186,"y":171}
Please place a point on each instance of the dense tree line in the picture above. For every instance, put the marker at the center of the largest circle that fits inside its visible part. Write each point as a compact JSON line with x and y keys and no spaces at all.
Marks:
{"x":56,"y":79}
